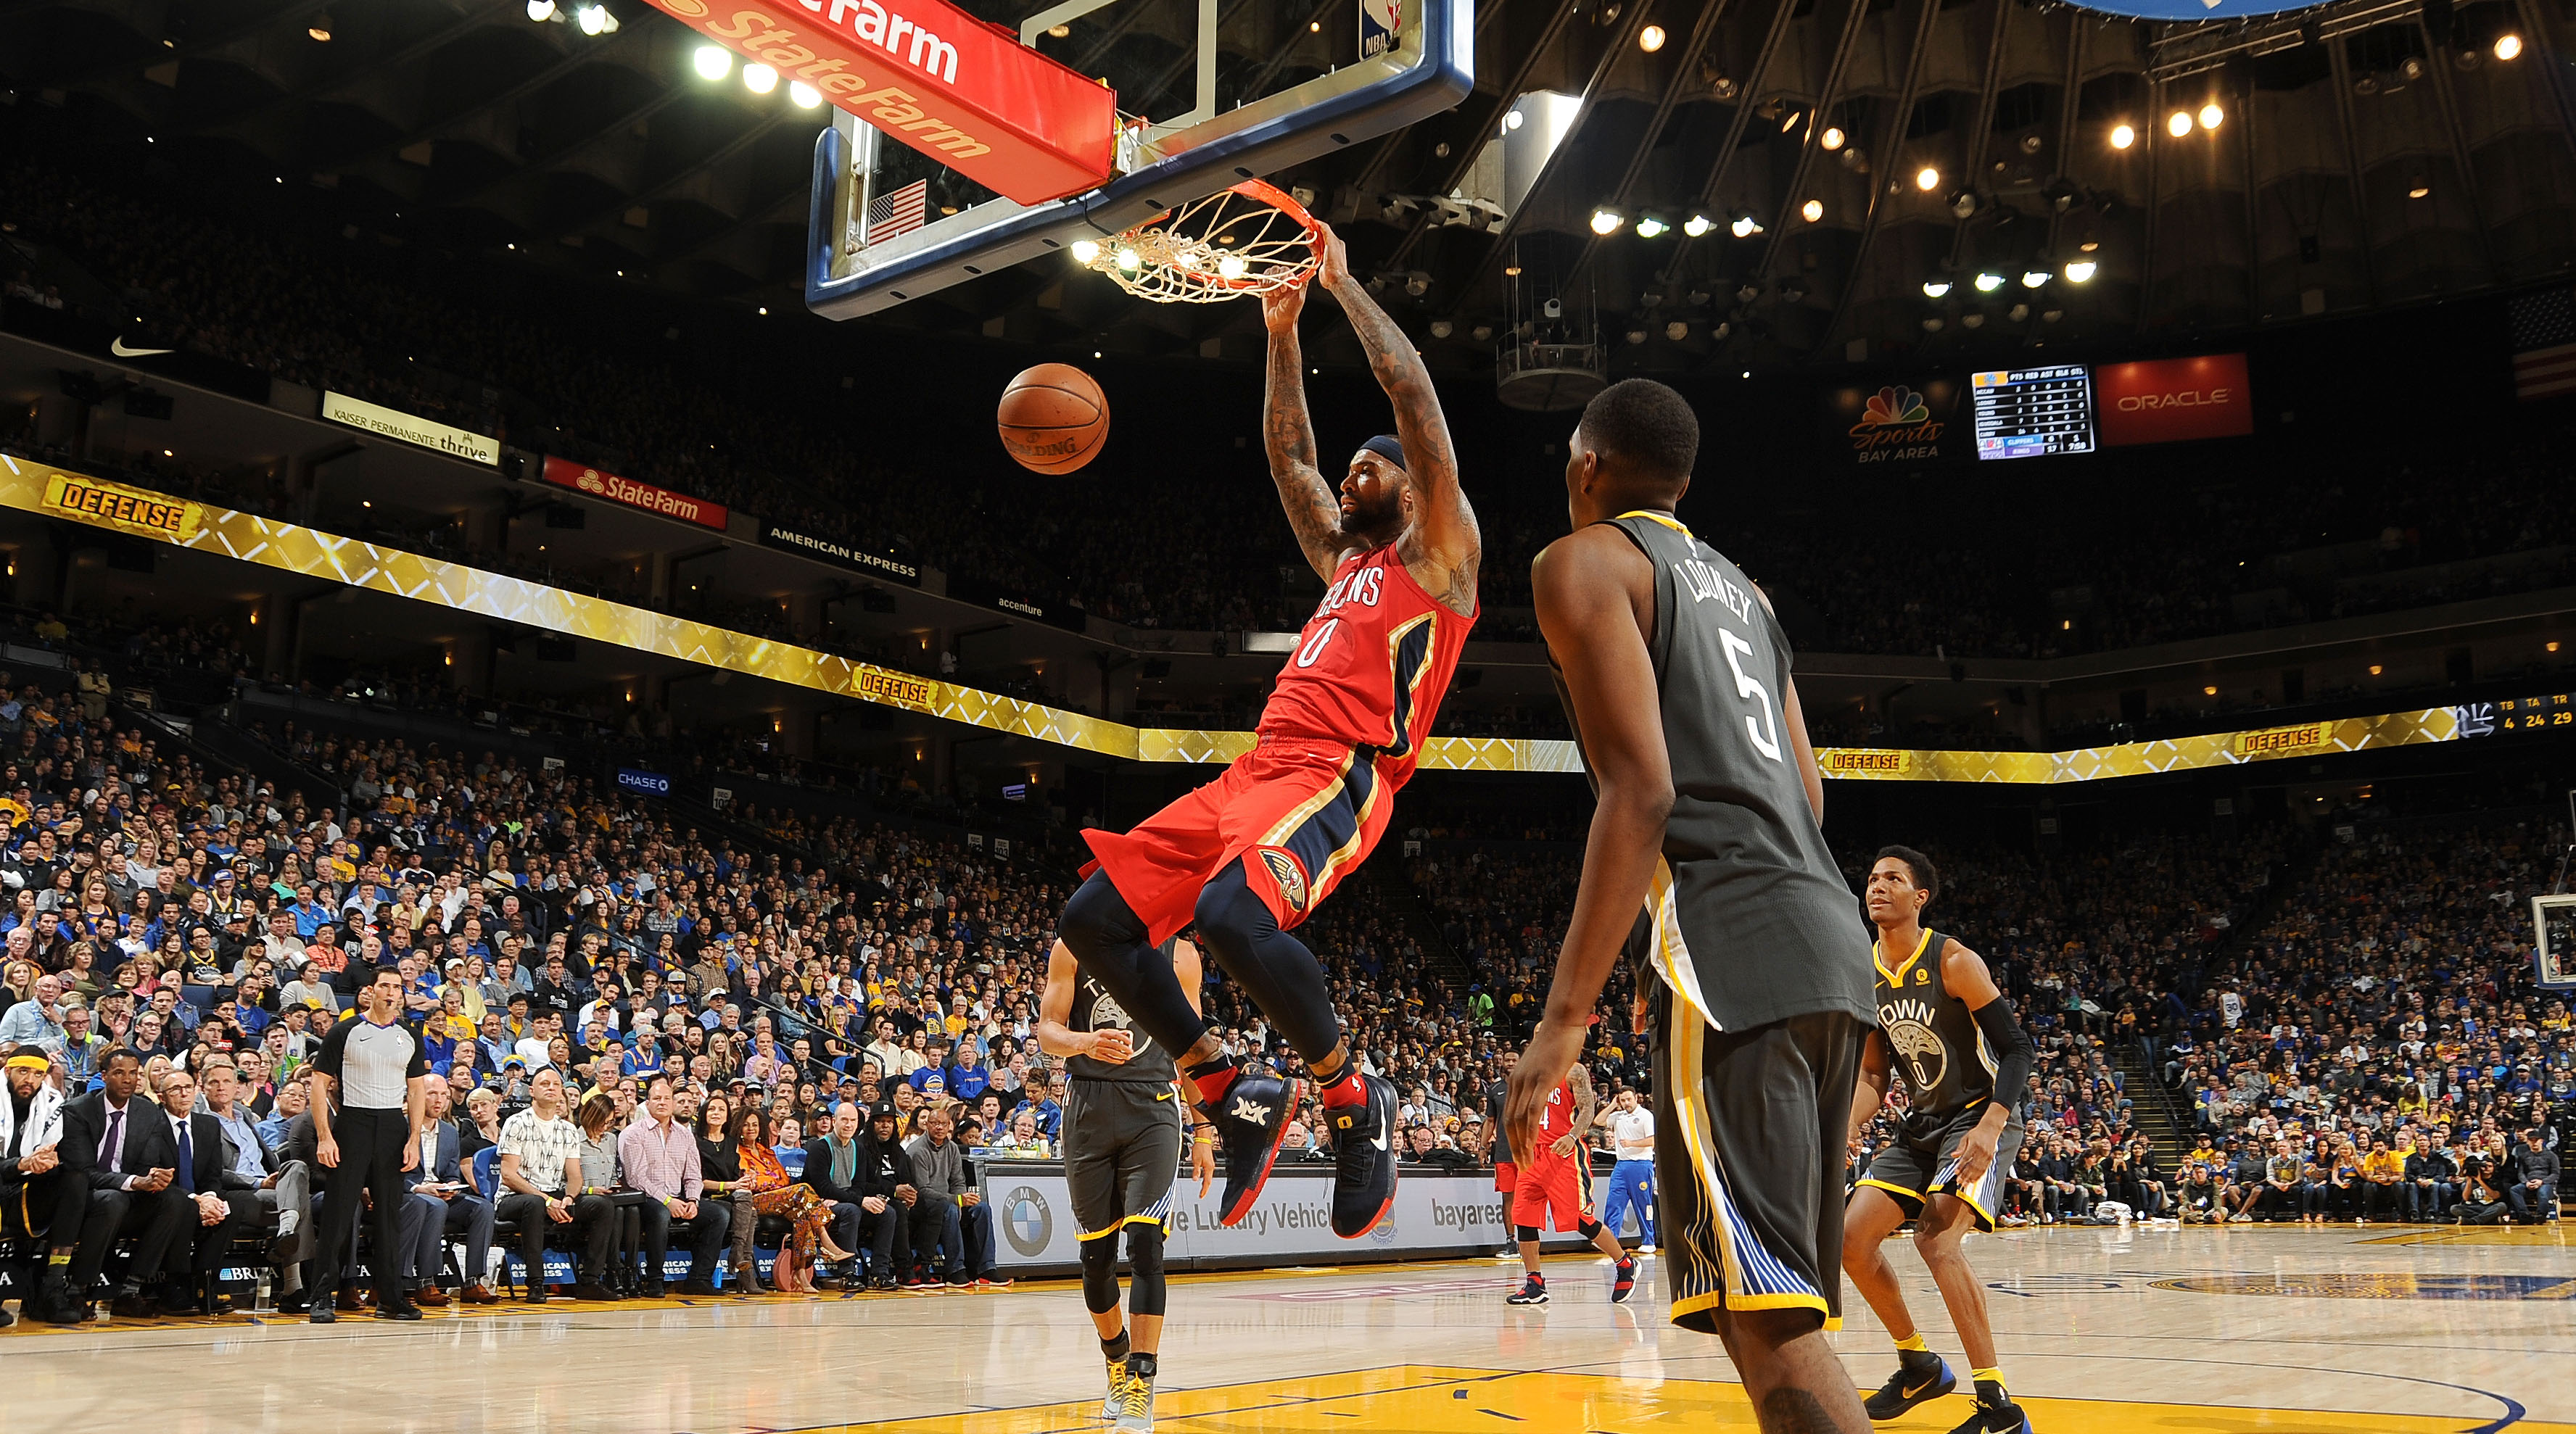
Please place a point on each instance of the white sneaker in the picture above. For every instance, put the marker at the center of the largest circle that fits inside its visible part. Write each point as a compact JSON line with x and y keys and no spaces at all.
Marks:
{"x":1110,"y":1402}
{"x":1647,"y":1248}
{"x":2240,"y":1220}
{"x":1136,"y":1407}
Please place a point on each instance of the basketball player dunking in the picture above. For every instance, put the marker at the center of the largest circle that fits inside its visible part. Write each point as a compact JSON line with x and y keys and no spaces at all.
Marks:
{"x":1677,"y":679}
{"x":1250,"y":855}
{"x":1950,"y":1034}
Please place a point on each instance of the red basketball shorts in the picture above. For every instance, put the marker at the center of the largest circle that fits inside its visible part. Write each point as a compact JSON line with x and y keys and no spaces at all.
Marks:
{"x":1299,"y":814}
{"x":1552,"y":1186}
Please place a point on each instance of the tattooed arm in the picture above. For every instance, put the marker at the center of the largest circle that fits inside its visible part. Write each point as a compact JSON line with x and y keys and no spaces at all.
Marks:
{"x":1290,"y":439}
{"x":1445,"y":537}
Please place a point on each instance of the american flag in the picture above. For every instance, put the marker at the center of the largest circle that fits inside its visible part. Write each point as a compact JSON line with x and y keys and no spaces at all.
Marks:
{"x":901,"y":212}
{"x":2544,"y":343}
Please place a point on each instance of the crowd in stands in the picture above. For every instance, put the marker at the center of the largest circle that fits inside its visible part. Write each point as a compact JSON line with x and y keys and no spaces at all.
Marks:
{"x":259,"y":281}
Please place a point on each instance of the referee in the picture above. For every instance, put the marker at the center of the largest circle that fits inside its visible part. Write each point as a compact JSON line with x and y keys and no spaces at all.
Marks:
{"x":379,"y":1071}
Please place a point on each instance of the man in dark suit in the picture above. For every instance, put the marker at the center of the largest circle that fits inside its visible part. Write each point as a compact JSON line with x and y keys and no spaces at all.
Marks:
{"x":216,"y":1204}
{"x":832,"y":1169}
{"x":118,"y":1151}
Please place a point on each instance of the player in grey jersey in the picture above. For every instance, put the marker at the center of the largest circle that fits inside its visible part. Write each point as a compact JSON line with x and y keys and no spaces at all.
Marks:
{"x":1676,"y":675}
{"x":1125,"y":1108}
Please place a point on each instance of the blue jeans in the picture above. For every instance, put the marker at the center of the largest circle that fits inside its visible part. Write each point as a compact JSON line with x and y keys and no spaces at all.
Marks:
{"x":1631,"y":1181}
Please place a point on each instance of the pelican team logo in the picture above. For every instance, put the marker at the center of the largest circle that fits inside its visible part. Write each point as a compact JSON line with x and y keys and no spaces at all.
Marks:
{"x":1908,"y":1024}
{"x":1291,"y":877}
{"x":1026,"y":1221}
{"x":1106,"y":1014}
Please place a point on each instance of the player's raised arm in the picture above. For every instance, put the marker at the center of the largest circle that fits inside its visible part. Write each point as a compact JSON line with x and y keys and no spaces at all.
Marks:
{"x":1591,"y":587}
{"x":1446,"y":524}
{"x":1289,"y":438}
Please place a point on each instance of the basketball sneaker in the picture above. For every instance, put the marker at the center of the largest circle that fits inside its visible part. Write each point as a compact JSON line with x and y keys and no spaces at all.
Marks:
{"x":1110,"y":1402}
{"x":1921,"y":1377}
{"x":1364,"y":1156}
{"x":1251,"y":1121}
{"x":1533,"y":1291}
{"x":1136,"y":1405}
{"x":1623,"y":1278}
{"x":1996,"y":1413}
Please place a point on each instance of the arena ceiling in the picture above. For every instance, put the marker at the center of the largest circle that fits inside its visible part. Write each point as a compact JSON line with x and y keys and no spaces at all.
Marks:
{"x":2363,"y":154}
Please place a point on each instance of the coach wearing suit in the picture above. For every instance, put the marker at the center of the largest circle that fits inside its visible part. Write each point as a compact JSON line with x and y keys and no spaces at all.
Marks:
{"x":119,"y":1152}
{"x":215,"y":1204}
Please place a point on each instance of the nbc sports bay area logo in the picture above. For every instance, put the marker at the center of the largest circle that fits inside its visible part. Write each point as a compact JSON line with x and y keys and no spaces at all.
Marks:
{"x":1896,"y":423}
{"x":1026,"y":1221}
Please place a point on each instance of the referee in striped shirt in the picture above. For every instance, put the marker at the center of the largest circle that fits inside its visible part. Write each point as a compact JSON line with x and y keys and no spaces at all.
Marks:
{"x":379,"y":1071}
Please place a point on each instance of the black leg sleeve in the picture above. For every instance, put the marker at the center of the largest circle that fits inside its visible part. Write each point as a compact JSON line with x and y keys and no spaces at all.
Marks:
{"x":1283,"y":978}
{"x":1108,"y":938}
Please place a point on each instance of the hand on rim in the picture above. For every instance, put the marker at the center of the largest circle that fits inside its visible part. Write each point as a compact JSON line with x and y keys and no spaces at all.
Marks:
{"x":1281,"y":306}
{"x":1335,"y":268}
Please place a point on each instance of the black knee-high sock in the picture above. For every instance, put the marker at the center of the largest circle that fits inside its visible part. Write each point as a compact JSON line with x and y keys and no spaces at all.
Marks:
{"x":1108,"y":938}
{"x":1283,"y":978}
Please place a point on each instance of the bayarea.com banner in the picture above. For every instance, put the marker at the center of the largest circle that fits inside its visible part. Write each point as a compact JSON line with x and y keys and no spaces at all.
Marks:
{"x":1437,"y":1215}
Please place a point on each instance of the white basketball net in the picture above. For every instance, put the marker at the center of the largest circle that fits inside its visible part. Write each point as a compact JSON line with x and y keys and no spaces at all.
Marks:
{"x":1250,"y":239}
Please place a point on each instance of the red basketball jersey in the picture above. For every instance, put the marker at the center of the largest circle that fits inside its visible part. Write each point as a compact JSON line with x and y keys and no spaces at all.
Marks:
{"x":1555,"y":1123}
{"x":1372,"y":665}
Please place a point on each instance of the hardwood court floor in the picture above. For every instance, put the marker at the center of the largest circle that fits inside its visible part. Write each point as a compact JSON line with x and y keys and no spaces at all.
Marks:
{"x":2334,"y":1331}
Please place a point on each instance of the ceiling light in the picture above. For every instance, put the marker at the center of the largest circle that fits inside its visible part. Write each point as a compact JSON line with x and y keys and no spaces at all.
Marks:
{"x":320,"y":29}
{"x":2419,"y":188}
{"x":806,"y":96}
{"x":1813,"y":209}
{"x":2412,"y":67}
{"x":1964,"y":203}
{"x":1651,"y":39}
{"x":1936,"y":288}
{"x":2089,"y":245}
{"x":2374,"y":669}
{"x":1513,"y":120}
{"x":2018,"y":313}
{"x":1648,"y":226}
{"x":2178,"y":123}
{"x":1606,"y":221}
{"x":1790,"y":120}
{"x":2081,"y":271}
{"x":759,"y":79}
{"x":1677,"y":330}
{"x":2508,"y":46}
{"x":1440,"y":328}
{"x":593,"y":19}
{"x":1058,"y":32}
{"x":1988,"y":282}
{"x":1697,"y":225}
{"x":1481,"y":332}
{"x":541,"y":10}
{"x":2211,"y":116}
{"x":1745,"y":226}
{"x":2122,"y":136}
{"x":1974,"y":321}
{"x":713,"y":62}
{"x":2033,"y":278}
{"x":1832,"y":138}
{"x":1636,"y":336}
{"x":2050,"y":316}
{"x":1932,"y":325}
{"x":1085,"y":250}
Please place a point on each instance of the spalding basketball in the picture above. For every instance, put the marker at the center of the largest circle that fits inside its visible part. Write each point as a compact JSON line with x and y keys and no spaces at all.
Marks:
{"x":1053,"y":418}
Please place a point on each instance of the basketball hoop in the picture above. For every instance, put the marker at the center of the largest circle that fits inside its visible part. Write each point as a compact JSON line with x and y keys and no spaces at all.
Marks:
{"x":1250,"y":239}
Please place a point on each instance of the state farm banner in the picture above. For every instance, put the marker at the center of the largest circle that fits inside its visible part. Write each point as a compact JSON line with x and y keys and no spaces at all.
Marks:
{"x":1897,"y":425}
{"x":1436,"y":1214}
{"x":960,"y":90}
{"x":2174,"y":400}
{"x":564,"y":473}
{"x":411,"y":428}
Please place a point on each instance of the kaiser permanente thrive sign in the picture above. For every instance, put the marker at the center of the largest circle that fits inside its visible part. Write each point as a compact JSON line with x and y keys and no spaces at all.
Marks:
{"x":411,"y":428}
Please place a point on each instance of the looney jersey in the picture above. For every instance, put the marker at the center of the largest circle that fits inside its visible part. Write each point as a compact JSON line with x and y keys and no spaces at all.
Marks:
{"x":1371,"y":665}
{"x":1096,"y":1010}
{"x":1554,"y":1124}
{"x":1931,"y":1035}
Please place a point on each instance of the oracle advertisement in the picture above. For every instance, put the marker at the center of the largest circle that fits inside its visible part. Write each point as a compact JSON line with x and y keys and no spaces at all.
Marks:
{"x":2173,"y":400}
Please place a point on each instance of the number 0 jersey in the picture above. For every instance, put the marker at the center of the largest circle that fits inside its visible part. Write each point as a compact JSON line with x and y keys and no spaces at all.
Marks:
{"x":1372,"y":664}
{"x":1749,"y":920}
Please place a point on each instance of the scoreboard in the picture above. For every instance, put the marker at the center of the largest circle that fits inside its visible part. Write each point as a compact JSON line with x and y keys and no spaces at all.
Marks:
{"x":2034,"y":412}
{"x":2533,"y":714}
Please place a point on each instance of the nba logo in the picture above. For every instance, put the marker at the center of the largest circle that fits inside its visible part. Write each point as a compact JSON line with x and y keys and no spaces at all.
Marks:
{"x":1381,"y":24}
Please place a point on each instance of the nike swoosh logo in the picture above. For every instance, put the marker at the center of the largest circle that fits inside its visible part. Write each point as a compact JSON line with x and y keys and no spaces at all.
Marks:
{"x":1380,"y":1141}
{"x":1167,"y":1095}
{"x":117,"y":346}
{"x":1916,"y":1389}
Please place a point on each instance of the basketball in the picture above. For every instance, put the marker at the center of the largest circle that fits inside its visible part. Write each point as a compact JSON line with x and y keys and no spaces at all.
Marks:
{"x":1053,"y":418}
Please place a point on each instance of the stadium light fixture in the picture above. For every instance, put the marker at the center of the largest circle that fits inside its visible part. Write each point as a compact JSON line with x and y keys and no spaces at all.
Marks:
{"x":1745,"y":225}
{"x":2178,"y":124}
{"x":712,"y":62}
{"x":1677,"y":330}
{"x":1832,"y":138}
{"x":1650,"y":227}
{"x":1927,"y":179}
{"x":1988,"y":281}
{"x":2211,"y":116}
{"x":593,"y":19}
{"x":2081,"y":271}
{"x":1936,"y":288}
{"x":2033,"y":278}
{"x":2122,"y":136}
{"x":759,"y":79}
{"x":1607,"y":221}
{"x":1232,"y":266}
{"x":1813,"y":210}
{"x":1130,"y":260}
{"x":541,"y":10}
{"x":2508,"y":46}
{"x":1651,"y":39}
{"x":1697,"y":225}
{"x":1085,"y":250}
{"x":805,"y":96}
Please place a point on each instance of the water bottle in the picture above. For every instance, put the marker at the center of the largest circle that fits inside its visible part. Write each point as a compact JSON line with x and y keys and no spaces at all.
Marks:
{"x":263,"y":1294}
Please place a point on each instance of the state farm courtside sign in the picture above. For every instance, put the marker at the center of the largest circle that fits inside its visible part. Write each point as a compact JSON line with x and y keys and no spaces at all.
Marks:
{"x":966,"y":93}
{"x":2171,"y":400}
{"x":564,"y":473}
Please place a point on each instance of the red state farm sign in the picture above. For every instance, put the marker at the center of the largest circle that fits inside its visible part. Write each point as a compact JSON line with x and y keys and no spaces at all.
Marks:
{"x":564,"y":473}
{"x":966,"y":93}
{"x":2168,"y":400}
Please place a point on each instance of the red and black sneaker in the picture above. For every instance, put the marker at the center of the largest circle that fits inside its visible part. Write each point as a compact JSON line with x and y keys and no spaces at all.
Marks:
{"x":1533,"y":1291}
{"x":1364,"y":1158}
{"x":1251,"y":1121}
{"x":1623,"y":1278}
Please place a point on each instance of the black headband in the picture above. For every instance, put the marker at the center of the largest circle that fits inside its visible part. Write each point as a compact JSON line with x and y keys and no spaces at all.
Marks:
{"x":1388,"y":447}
